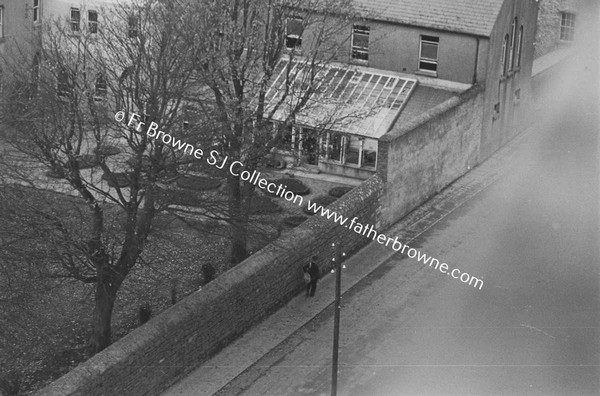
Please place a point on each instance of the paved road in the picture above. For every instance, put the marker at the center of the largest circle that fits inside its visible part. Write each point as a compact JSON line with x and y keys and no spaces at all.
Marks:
{"x":533,"y":236}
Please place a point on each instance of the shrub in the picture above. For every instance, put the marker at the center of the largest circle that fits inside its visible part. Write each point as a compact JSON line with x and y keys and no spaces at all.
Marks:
{"x":198,"y":183}
{"x":180,"y":197}
{"x":208,"y":272}
{"x":263,"y":205}
{"x":278,"y":163}
{"x":293,"y":185}
{"x":117,"y":179}
{"x":323,"y":200}
{"x":107,"y":150}
{"x":295,"y":221}
{"x":144,"y":313}
{"x":132,"y":162}
{"x":339,"y":191}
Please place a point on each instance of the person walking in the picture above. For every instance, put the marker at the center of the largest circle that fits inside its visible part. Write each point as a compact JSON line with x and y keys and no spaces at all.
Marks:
{"x":311,"y":274}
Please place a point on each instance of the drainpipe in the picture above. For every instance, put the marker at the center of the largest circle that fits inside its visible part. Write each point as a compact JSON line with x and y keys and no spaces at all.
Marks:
{"x":476,"y":61}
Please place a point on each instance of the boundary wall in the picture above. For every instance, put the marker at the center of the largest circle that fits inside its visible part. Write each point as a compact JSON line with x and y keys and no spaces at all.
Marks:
{"x":416,"y":161}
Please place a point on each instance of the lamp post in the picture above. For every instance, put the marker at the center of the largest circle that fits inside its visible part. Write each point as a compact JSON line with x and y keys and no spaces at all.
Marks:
{"x":337,"y":259}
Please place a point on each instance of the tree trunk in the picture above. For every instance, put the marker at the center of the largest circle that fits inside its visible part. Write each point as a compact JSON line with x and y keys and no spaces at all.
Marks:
{"x":105,"y":296}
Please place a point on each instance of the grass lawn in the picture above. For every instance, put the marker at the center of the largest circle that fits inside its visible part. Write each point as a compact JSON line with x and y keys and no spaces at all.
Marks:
{"x":46,"y":322}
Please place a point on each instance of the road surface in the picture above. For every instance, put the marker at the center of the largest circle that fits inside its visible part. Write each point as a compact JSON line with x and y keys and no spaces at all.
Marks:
{"x":533,"y":329}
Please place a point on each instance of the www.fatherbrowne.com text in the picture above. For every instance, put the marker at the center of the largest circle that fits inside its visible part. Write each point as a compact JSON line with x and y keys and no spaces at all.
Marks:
{"x":236,"y":168}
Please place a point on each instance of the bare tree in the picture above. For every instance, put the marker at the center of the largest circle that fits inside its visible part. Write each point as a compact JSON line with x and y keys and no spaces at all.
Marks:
{"x":242,"y":43}
{"x":202,"y":71}
{"x":60,"y":112}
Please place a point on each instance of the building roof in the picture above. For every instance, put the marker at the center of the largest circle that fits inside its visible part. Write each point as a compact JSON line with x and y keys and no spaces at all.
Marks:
{"x":475,"y":17}
{"x":424,"y":98}
{"x":351,"y":99}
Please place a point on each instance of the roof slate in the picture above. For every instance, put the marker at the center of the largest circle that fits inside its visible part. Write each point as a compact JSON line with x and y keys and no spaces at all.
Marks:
{"x":464,"y":16}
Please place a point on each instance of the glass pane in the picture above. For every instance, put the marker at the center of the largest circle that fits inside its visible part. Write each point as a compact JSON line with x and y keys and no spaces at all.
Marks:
{"x":362,"y":55}
{"x":285,"y":142}
{"x":352,"y":150}
{"x":294,"y":26}
{"x":335,"y":146}
{"x":431,"y":66}
{"x":429,"y":50}
{"x":361,"y":41}
{"x":293,"y":42}
{"x":369,"y":153}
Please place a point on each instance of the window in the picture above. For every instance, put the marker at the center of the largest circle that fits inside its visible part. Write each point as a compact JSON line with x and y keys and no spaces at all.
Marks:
{"x":334,"y":146}
{"x":286,"y":131}
{"x":1,"y":21}
{"x":100,"y":86}
{"x":360,"y":42}
{"x":353,"y":145}
{"x":497,"y":108}
{"x":93,"y":21}
{"x":36,"y":10}
{"x":369,"y":153}
{"x":518,"y":94}
{"x":519,"y":48}
{"x":293,"y":33}
{"x":132,"y":27}
{"x":310,"y":145}
{"x":63,"y":83}
{"x":567,"y":26}
{"x":428,"y":54}
{"x":504,"y":56}
{"x":75,"y":19}
{"x":512,"y":49}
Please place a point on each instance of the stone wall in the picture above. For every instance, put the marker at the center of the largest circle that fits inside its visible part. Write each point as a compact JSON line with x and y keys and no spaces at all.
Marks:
{"x":425,"y":155}
{"x":422,"y":157}
{"x":156,"y":355}
{"x":547,"y":37}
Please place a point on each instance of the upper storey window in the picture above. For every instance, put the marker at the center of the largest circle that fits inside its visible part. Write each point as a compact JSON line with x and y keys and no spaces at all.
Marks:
{"x":360,"y":42}
{"x":293,"y":33}
{"x":75,"y":19}
{"x":428,"y":54}
{"x":567,"y":26}
{"x":36,"y":10}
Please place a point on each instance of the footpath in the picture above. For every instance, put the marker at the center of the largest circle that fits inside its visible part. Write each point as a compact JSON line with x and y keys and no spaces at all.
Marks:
{"x":233,"y":361}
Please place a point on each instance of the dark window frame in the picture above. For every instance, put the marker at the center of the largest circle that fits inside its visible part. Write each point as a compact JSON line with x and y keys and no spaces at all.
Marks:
{"x":100,"y":85}
{"x":512,"y":48}
{"x":360,"y":52}
{"x":427,"y":64}
{"x":93,"y":21}
{"x":293,"y":40}
{"x":519,"y":48}
{"x":504,"y":55}
{"x":1,"y":22}
{"x":37,"y":6}
{"x":567,"y":26}
{"x":64,"y":83}
{"x":133,"y":27}
{"x":75,"y":19}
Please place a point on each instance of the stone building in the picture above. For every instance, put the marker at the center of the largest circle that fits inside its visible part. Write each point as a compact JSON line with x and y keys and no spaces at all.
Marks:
{"x":20,"y":21}
{"x":558,"y":23}
{"x":407,"y":57}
